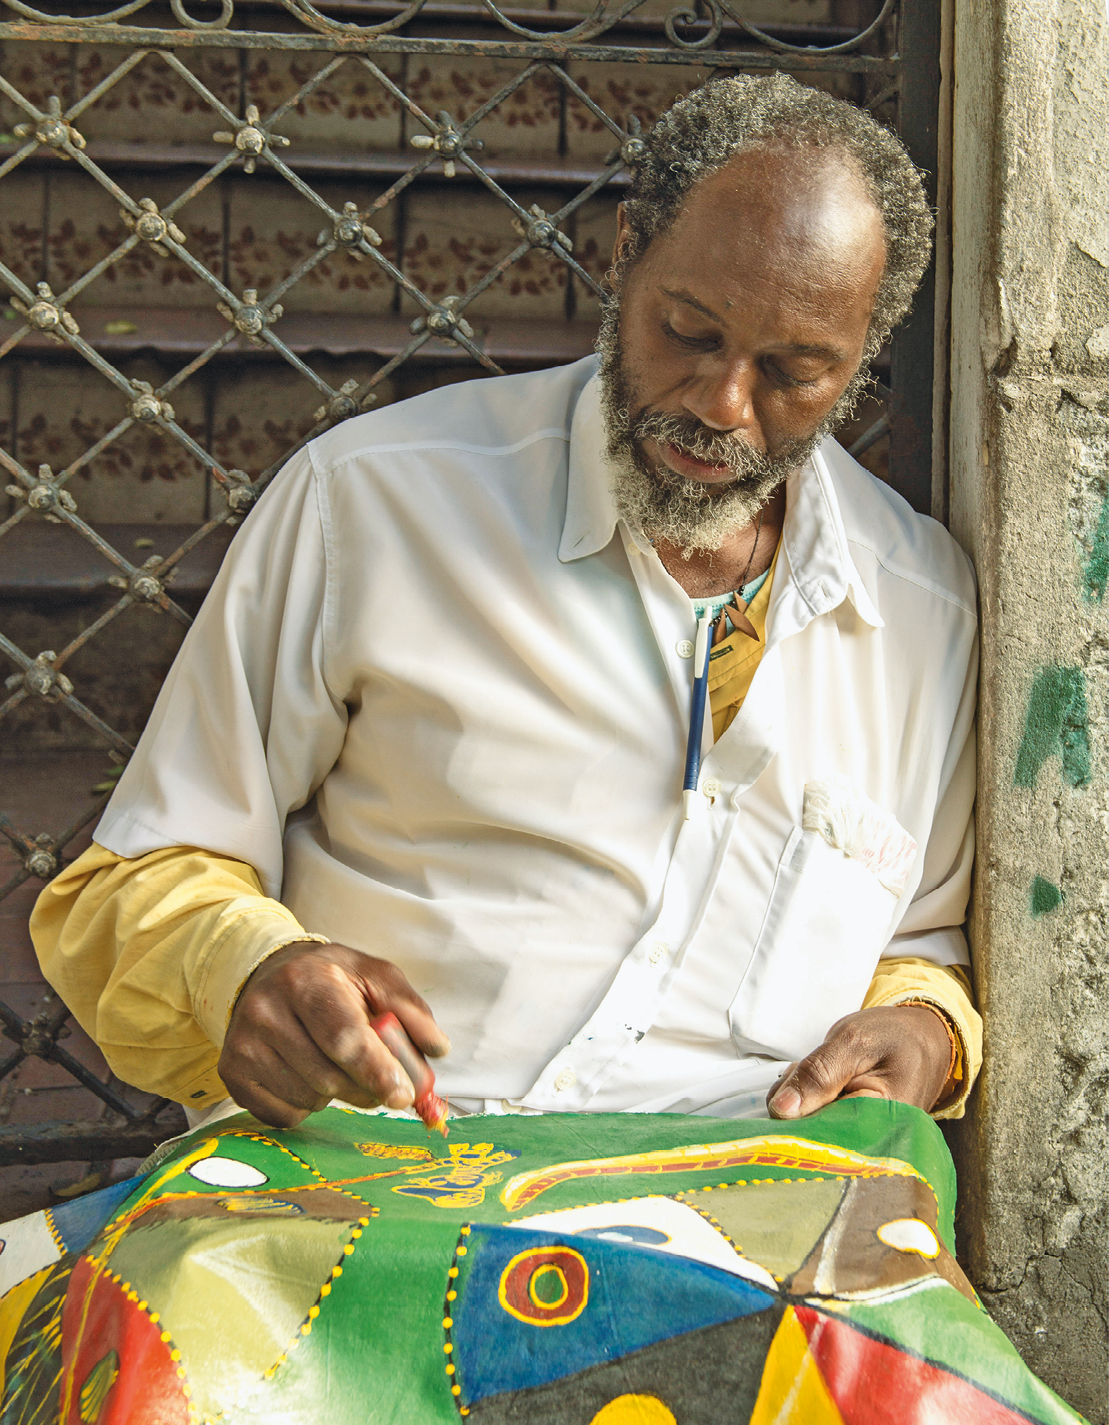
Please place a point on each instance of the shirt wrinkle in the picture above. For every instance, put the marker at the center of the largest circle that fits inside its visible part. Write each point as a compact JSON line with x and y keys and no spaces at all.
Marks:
{"x":588,"y":947}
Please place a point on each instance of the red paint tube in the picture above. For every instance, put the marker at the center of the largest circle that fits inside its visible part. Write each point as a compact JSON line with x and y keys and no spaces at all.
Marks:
{"x":431,"y":1108}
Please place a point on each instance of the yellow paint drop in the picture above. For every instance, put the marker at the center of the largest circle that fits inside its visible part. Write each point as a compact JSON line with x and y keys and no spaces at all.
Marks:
{"x":634,"y":1410}
{"x":793,"y":1391}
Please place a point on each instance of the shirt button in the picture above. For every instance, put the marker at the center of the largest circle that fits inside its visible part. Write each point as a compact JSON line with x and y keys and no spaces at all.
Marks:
{"x":658,"y":950}
{"x":566,"y":1080}
{"x":685,"y":648}
{"x":711,"y":788}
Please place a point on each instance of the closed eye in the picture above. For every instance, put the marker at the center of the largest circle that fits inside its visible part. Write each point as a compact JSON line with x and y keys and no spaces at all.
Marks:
{"x":691,"y":343}
{"x":784,"y":377}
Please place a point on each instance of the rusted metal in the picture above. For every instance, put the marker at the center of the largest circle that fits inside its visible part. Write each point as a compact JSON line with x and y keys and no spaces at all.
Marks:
{"x":559,"y":51}
{"x":504,"y":168}
{"x":84,"y":1142}
{"x":44,"y":564}
{"x":604,"y":17}
{"x":38,"y":562}
{"x":175,"y":331}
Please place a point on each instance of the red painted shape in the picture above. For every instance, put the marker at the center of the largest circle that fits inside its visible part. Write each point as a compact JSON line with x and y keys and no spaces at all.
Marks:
{"x":147,"y":1390}
{"x":873,"y":1383}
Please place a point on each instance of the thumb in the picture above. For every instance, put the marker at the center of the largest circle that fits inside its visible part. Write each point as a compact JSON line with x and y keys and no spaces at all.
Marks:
{"x":815,"y":1081}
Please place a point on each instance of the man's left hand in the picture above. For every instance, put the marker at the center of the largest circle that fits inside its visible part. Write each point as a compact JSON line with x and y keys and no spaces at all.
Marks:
{"x":898,"y":1051}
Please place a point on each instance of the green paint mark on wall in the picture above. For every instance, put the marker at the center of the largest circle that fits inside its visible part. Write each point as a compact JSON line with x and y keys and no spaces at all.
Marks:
{"x":1045,"y":897}
{"x":1056,"y":724}
{"x":1097,"y":565}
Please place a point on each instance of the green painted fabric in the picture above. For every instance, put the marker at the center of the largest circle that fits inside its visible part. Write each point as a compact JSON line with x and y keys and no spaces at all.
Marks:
{"x":624,"y":1269}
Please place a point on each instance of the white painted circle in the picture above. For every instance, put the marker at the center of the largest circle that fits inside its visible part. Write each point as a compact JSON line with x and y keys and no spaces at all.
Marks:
{"x":227,"y":1172}
{"x":909,"y":1234}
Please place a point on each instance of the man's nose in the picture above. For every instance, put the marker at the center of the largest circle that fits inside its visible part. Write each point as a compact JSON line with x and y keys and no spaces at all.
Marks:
{"x":722,"y":397}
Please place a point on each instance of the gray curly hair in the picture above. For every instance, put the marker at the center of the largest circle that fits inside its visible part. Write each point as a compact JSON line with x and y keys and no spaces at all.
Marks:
{"x":700,"y":133}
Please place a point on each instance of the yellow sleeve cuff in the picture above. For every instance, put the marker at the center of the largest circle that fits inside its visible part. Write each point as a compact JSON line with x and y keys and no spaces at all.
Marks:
{"x":247,"y":936}
{"x":947,"y":989}
{"x":150,"y":955}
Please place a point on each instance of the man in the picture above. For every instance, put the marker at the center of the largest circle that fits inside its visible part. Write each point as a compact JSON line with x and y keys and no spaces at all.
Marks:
{"x":438,"y":698}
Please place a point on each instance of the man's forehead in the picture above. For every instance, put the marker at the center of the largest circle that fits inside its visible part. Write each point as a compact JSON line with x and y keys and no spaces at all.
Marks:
{"x":787,"y":189}
{"x":804,"y":212}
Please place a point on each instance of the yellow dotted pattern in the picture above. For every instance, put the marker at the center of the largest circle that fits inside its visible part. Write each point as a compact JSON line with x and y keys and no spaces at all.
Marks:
{"x":57,"y":1236}
{"x":273,"y":1143}
{"x":305,"y":1327}
{"x":754,"y":1182}
{"x":164,"y":1336}
{"x":450,"y":1369}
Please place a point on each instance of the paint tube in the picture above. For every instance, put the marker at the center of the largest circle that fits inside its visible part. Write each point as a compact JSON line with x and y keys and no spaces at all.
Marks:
{"x":430,"y":1107}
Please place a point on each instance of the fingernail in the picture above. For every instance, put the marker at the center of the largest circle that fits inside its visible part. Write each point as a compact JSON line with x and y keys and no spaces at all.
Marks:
{"x":786,"y":1103}
{"x":403,"y":1094}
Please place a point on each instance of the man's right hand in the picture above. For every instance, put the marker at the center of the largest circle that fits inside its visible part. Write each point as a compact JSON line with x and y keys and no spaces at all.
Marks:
{"x":300,"y":1034}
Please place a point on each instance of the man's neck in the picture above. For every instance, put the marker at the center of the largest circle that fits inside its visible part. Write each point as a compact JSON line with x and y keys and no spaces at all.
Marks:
{"x":741,"y":558}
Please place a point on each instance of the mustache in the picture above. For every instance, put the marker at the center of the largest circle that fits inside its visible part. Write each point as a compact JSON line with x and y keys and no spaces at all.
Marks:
{"x":692,"y":437}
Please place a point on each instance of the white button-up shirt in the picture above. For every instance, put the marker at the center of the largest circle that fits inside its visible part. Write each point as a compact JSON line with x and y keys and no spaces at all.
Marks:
{"x":438,"y":697}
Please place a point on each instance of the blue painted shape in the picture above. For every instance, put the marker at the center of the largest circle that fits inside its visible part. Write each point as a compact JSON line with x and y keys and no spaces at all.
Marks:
{"x":637,"y":1297}
{"x":629,"y":1232}
{"x":78,"y":1222}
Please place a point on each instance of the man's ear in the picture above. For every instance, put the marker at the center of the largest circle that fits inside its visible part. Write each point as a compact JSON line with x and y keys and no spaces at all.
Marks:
{"x":623,"y":234}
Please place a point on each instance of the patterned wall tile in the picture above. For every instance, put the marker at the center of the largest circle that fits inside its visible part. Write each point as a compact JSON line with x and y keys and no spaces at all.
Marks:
{"x":260,"y":411}
{"x":85,"y":225}
{"x":596,"y":233}
{"x":37,"y":71}
{"x":415,"y":379}
{"x":272,"y":229}
{"x":622,"y":90}
{"x":455,"y":235}
{"x":22,"y":200}
{"x":117,"y":674}
{"x":527,"y":121}
{"x":152,"y":103}
{"x":351,"y":109}
{"x":64,"y":408}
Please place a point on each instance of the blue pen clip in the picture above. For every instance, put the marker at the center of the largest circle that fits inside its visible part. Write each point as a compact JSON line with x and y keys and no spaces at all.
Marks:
{"x":701,"y":649}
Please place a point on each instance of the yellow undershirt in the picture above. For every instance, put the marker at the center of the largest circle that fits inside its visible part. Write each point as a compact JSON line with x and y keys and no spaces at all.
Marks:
{"x":732,"y":662}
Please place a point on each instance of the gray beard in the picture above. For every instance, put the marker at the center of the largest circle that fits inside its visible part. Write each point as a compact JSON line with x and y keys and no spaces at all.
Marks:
{"x":667,"y":506}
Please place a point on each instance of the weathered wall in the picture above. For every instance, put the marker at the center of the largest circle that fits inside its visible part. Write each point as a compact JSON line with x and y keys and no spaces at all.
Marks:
{"x":1029,"y":457}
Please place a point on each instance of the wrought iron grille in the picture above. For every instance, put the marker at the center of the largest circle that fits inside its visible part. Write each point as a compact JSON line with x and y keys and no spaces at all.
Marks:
{"x":887,"y":61}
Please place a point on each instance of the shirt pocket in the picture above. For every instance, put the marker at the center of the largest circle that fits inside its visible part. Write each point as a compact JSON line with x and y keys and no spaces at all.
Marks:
{"x":825,"y":927}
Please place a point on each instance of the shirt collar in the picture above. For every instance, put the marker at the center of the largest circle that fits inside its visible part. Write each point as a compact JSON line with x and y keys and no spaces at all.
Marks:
{"x":590,"y":511}
{"x":821,"y":570}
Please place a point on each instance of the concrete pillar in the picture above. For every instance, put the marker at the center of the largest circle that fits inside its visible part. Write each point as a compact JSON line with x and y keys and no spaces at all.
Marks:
{"x":1029,"y":457}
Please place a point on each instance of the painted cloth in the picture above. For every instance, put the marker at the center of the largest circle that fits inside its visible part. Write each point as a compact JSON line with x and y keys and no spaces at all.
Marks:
{"x":503,"y":820}
{"x":563,"y":1269}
